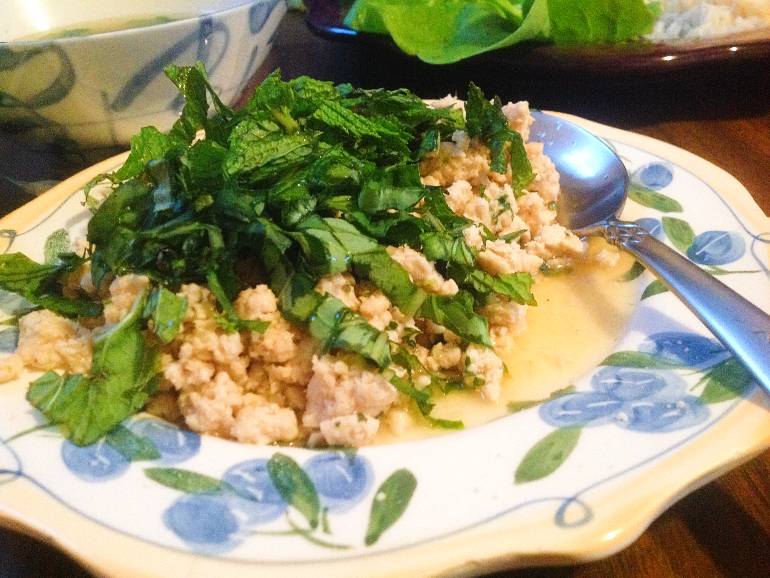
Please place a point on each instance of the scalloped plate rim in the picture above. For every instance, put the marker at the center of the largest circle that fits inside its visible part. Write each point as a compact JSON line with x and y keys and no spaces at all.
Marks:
{"x":483,"y":547}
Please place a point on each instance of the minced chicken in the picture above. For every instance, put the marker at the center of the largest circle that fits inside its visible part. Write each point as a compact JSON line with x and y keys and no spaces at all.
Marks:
{"x":276,"y":386}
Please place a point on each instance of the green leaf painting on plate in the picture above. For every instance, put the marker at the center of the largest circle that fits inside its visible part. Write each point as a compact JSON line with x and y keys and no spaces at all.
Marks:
{"x":295,"y":486}
{"x":517,"y":406}
{"x":131,"y":446}
{"x":656,"y":287}
{"x":547,"y":455}
{"x":679,"y":232}
{"x":726,"y":380}
{"x":634,"y":272}
{"x":390,"y":502}
{"x":185,"y":481}
{"x":653,"y":199}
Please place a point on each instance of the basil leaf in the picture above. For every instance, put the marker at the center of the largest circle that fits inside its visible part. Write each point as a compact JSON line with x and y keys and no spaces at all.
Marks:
{"x":391,"y":278}
{"x":41,"y":285}
{"x":396,"y":187}
{"x":516,"y":286}
{"x":166,"y":311}
{"x":456,"y":314}
{"x":121,"y":380}
{"x":337,"y":327}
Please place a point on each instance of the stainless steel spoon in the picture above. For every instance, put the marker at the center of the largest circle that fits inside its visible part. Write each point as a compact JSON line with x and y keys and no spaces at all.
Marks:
{"x":594,"y":186}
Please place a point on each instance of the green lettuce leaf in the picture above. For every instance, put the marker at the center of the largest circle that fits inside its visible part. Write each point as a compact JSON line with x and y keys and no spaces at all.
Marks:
{"x":463,"y":28}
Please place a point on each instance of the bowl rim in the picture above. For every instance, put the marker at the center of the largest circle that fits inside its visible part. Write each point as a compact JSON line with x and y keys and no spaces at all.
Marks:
{"x":185,"y":21}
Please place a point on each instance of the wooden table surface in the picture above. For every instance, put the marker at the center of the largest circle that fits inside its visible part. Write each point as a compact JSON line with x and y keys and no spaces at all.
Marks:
{"x":721,"y":113}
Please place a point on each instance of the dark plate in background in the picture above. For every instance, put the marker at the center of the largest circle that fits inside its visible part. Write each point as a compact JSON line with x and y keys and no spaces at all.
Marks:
{"x":632,"y":60}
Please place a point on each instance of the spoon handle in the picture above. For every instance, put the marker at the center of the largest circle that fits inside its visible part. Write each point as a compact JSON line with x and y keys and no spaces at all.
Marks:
{"x":741,"y":326}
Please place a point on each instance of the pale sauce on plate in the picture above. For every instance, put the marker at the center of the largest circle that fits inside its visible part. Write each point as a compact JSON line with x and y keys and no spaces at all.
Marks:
{"x":579,"y":318}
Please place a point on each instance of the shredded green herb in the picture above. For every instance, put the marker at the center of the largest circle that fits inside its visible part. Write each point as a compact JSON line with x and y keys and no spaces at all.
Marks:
{"x":308,"y":179}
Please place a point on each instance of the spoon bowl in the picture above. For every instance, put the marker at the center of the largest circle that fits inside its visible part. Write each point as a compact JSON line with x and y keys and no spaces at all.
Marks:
{"x":594,"y":185}
{"x":593,"y":179}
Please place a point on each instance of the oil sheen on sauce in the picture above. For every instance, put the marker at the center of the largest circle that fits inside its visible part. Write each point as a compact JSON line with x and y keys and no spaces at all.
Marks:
{"x":580,"y":316}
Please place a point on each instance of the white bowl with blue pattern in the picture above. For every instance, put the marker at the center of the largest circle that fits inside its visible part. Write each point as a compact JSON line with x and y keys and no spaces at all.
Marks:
{"x":89,"y":73}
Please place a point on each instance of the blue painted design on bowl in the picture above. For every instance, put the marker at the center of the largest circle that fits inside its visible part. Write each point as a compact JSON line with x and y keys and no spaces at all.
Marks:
{"x":205,"y":522}
{"x":654,"y":176}
{"x":645,"y":400}
{"x":259,"y":13}
{"x":201,"y":39}
{"x":341,"y":479}
{"x":716,"y":248}
{"x":653,"y":226}
{"x":257,"y":498}
{"x":174,"y":444}
{"x":629,"y":384}
{"x":651,"y":415}
{"x":98,"y":462}
{"x":687,"y":349}
{"x":590,"y":408}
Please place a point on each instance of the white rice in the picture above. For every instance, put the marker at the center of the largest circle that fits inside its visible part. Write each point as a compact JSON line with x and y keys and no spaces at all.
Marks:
{"x":698,"y":19}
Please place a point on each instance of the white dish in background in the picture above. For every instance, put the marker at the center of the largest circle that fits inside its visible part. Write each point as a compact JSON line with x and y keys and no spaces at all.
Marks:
{"x":674,"y":412}
{"x":99,"y":86}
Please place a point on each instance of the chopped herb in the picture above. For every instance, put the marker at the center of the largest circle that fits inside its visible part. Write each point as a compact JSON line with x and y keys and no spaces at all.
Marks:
{"x":513,"y":236}
{"x":487,"y":121}
{"x":42,"y":285}
{"x":123,"y":376}
{"x":307,"y":180}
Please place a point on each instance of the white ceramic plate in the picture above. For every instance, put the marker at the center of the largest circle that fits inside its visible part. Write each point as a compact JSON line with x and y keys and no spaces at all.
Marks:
{"x":572,"y":479}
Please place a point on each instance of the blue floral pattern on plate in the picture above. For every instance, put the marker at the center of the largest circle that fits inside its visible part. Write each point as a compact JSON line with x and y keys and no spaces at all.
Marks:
{"x":660,"y":391}
{"x":655,"y":175}
{"x":98,"y":462}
